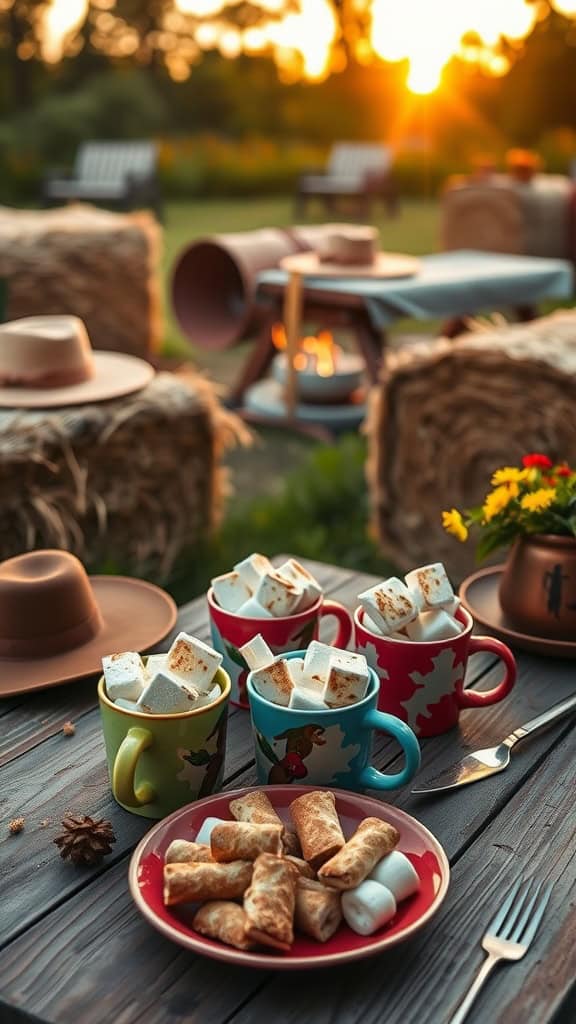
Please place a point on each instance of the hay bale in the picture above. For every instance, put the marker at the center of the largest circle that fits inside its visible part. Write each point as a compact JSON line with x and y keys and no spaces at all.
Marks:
{"x":447,"y":414}
{"x":128,"y":483}
{"x":100,"y":266}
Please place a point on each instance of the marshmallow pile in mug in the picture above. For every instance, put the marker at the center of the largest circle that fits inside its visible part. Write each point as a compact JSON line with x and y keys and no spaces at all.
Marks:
{"x":420,"y":608}
{"x":168,"y":684}
{"x":325,"y":678}
{"x":257,"y":590}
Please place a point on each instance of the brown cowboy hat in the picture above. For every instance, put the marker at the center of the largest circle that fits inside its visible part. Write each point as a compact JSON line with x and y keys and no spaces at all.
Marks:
{"x":56,"y":623}
{"x":48,"y":361}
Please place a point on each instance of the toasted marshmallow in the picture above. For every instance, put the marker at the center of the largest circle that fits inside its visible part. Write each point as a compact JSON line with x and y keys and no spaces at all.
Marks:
{"x":277,"y":594}
{"x":274,"y":682}
{"x":256,"y":653}
{"x":230,"y":591}
{"x":124,"y":674}
{"x":317,"y":665}
{"x":311,"y":589}
{"x":368,"y":907}
{"x":348,"y":679}
{"x":252,"y":609}
{"x":252,"y":568}
{"x":205,"y":830}
{"x":193,"y":662}
{"x":390,"y":604}
{"x":431,"y":626}
{"x":166,"y":695}
{"x":398,"y":874}
{"x":430,"y":586}
{"x":127,"y":705}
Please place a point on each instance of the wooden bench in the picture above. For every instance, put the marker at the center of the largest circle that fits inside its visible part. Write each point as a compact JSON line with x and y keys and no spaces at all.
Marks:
{"x":118,"y":174}
{"x":358,"y":171}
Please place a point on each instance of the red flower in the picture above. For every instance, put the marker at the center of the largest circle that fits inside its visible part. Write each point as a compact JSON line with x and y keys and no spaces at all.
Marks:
{"x":550,"y":481}
{"x":537,"y":461}
{"x":563,"y":470}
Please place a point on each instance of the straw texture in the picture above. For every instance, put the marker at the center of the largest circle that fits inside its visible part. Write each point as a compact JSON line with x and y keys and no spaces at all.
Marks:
{"x":100,"y":266}
{"x":447,"y":414}
{"x":127,"y":483}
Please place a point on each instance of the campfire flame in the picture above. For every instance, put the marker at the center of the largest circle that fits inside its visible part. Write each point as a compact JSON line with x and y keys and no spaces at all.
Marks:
{"x":317,"y":354}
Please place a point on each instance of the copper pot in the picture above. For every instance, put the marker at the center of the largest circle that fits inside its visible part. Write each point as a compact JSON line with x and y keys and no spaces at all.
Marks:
{"x":538,"y":587}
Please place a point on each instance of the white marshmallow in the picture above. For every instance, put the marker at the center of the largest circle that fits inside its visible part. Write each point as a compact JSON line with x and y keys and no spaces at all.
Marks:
{"x":369,"y":624}
{"x":252,"y":568}
{"x":303,"y":699}
{"x":274,"y":682}
{"x":390,"y":604}
{"x":128,"y":705}
{"x":368,"y":907}
{"x":124,"y":674}
{"x":166,"y":695}
{"x":317,"y":665}
{"x":398,"y":874}
{"x":296,"y":669}
{"x":453,"y":606}
{"x":430,"y":586}
{"x":311,"y":589}
{"x":193,"y":662}
{"x":256,"y":653}
{"x":156,"y":663}
{"x":348,"y":679}
{"x":431,"y":626}
{"x":230,"y":591}
{"x":400,"y":636}
{"x":207,"y":698}
{"x":252,"y":609}
{"x":205,"y":830}
{"x":278,"y":595}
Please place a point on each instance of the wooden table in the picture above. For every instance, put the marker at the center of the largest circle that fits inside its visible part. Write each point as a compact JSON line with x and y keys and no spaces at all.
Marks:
{"x":76,"y":951}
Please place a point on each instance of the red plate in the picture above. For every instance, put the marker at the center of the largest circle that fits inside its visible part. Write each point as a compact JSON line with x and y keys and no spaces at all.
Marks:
{"x":419,"y":845}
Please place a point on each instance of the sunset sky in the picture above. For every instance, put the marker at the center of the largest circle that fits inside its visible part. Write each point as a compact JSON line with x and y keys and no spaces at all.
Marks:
{"x":426,"y":32}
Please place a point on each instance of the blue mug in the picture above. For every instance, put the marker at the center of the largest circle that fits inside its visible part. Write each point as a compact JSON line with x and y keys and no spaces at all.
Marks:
{"x":327,"y":748}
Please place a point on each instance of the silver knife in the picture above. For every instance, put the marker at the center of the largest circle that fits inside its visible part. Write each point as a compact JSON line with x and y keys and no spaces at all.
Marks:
{"x":483,"y":763}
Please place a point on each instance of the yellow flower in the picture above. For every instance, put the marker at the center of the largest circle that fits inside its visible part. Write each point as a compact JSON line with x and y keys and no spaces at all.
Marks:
{"x":453,"y":523}
{"x":538,"y":500}
{"x":498,"y":499}
{"x":509,"y":475}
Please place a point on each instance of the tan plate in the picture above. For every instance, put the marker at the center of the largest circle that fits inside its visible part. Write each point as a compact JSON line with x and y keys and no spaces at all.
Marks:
{"x":140,"y":611}
{"x":479,"y":595}
{"x":386,"y":265}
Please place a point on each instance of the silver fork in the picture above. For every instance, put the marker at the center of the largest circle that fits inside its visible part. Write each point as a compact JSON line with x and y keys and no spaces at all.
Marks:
{"x":509,"y":935}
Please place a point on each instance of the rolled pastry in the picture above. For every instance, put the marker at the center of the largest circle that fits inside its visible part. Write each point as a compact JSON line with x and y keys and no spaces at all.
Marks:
{"x":269,"y":902}
{"x":368,"y":907}
{"x":187,"y":883}
{"x":302,"y":866}
{"x":318,"y":826}
{"x":256,"y":808}
{"x":225,"y":921}
{"x":239,"y":840}
{"x":291,"y":843}
{"x":372,"y":840}
{"x":398,"y":874}
{"x":318,"y":912}
{"x":181,"y":851}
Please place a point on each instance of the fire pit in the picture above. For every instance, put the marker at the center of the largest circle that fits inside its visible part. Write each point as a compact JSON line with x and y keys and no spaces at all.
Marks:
{"x":330,"y":390}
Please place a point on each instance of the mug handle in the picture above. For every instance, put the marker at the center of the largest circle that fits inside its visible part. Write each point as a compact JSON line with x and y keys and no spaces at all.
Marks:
{"x":344,"y":631}
{"x":477,"y":698}
{"x":135,"y":741}
{"x":370,"y":777}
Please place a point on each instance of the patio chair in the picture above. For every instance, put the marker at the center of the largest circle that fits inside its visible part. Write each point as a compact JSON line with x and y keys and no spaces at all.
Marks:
{"x":358,"y":171}
{"x":117,"y":174}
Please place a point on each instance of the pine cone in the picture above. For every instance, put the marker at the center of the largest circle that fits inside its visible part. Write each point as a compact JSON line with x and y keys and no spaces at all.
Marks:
{"x":84,"y":840}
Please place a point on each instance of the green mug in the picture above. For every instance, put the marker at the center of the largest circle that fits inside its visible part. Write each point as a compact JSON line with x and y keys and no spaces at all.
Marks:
{"x":158,"y":763}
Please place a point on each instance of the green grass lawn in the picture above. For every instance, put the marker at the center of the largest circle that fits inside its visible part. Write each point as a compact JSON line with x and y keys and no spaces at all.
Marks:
{"x":415,"y":230}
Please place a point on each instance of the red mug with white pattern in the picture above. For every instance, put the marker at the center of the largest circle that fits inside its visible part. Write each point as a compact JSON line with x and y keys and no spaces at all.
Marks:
{"x":422,"y":682}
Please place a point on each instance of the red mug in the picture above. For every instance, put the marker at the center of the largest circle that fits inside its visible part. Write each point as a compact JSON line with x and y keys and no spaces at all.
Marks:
{"x":231,"y":631}
{"x":422,"y":682}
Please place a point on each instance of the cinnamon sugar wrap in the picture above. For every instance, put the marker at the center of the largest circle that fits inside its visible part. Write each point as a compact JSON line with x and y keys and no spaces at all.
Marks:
{"x":181,"y":851}
{"x":190,"y":883}
{"x":269,"y":902}
{"x":224,"y":921}
{"x":318,"y":826}
{"x":372,"y":840}
{"x":318,"y":912}
{"x":291,"y":844}
{"x":302,"y":866}
{"x":240,"y":840}
{"x":255,"y":808}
